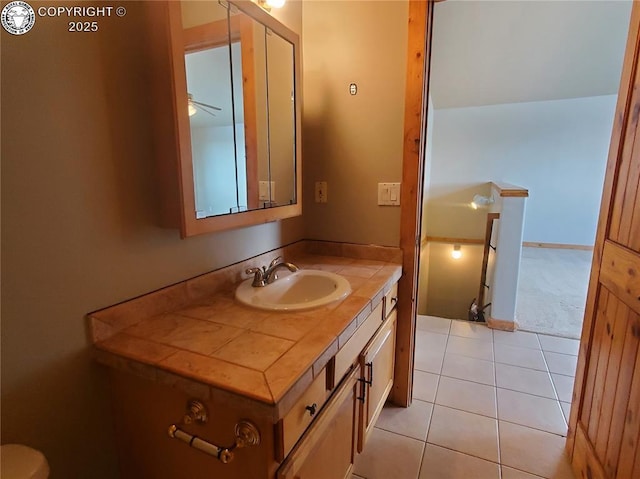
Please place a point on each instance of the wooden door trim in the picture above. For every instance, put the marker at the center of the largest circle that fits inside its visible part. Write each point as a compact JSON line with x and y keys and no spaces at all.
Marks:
{"x":621,"y":129}
{"x":416,"y":95}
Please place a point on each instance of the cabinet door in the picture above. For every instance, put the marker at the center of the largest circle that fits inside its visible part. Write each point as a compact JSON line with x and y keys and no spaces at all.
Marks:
{"x":327,"y":449}
{"x":377,"y":362}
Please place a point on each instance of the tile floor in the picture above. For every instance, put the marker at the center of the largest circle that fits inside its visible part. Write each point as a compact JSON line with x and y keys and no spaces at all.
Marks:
{"x":487,"y":405}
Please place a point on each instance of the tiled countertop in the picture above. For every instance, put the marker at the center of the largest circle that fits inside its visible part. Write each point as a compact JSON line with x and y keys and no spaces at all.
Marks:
{"x":214,"y":341}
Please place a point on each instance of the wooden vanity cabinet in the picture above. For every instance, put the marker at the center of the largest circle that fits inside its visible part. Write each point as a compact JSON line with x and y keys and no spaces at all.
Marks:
{"x":327,"y":450}
{"x":318,"y":437}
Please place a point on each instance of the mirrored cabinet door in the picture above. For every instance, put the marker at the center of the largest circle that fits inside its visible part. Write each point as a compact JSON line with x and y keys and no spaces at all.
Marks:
{"x":235,"y":102}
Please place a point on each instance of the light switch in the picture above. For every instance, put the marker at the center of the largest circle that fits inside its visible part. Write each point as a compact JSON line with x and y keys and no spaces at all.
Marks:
{"x":389,"y":194}
{"x":321,"y":191}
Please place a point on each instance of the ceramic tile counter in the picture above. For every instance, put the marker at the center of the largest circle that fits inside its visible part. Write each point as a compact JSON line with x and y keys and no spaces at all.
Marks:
{"x":195,"y":336}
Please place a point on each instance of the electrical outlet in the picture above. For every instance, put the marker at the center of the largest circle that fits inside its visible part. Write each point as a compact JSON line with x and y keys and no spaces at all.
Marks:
{"x":321,"y":191}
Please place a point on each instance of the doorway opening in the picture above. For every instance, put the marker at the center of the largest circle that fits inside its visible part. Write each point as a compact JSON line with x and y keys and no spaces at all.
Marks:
{"x":522,"y":93}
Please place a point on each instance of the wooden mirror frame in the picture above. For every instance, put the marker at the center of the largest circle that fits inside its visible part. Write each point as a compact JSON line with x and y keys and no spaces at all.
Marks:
{"x":172,"y":130}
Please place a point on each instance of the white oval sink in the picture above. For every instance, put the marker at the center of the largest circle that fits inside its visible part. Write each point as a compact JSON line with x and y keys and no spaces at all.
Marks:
{"x":304,"y":289}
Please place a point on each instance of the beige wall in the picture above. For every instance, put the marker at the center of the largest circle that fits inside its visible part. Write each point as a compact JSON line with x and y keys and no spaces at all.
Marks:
{"x":78,"y":228}
{"x":353,"y":142}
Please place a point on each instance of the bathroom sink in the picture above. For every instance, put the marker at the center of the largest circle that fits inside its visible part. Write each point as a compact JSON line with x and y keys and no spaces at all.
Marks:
{"x":304,"y":289}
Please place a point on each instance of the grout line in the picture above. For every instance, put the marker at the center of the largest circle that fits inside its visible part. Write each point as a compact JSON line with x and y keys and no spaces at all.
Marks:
{"x":529,"y":394}
{"x":468,"y":380}
{"x":520,"y":470}
{"x":465,"y":454}
{"x":534,"y":428}
{"x":555,"y":390}
{"x":495,"y":380}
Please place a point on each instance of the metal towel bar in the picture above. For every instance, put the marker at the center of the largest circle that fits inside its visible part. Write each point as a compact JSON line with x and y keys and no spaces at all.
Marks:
{"x":246,"y":434}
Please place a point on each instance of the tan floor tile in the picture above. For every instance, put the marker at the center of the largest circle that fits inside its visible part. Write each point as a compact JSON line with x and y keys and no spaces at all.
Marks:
{"x":429,"y":351}
{"x":254,"y":350}
{"x":559,"y":345}
{"x":522,"y":339}
{"x":519,"y":356}
{"x":561,"y":363}
{"x":468,"y":329}
{"x":524,"y":380}
{"x":378,"y":462}
{"x":509,"y":473}
{"x":433,"y":324}
{"x":442,"y":463}
{"x":466,"y":395}
{"x":429,"y":340}
{"x":564,"y":387}
{"x":533,"y":451}
{"x":464,"y":432}
{"x":533,"y":411}
{"x":471,"y":369}
{"x":412,"y":421}
{"x":428,"y":360}
{"x":425,"y":386}
{"x":473,"y":348}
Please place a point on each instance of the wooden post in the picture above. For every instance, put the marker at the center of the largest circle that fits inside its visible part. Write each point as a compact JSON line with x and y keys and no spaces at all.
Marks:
{"x":416,"y":96}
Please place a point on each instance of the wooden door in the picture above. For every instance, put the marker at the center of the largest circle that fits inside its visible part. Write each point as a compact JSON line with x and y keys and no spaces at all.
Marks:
{"x":376,"y":362}
{"x":327,"y":449}
{"x":604,"y":430}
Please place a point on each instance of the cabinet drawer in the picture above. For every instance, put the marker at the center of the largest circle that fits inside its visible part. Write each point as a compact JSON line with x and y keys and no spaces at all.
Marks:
{"x":390,"y":300}
{"x":350,"y":351}
{"x":303,"y":412}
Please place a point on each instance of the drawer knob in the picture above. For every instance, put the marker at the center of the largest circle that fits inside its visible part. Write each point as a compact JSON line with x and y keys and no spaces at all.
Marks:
{"x":312,"y":409}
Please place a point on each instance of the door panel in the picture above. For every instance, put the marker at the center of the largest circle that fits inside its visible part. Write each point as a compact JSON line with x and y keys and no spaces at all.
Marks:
{"x":604,"y":429}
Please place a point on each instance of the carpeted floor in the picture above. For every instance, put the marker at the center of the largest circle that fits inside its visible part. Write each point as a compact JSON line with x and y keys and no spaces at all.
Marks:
{"x":552,"y":290}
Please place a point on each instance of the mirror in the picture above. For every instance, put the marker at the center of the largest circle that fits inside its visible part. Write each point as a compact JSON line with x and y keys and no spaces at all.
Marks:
{"x":236,"y":104}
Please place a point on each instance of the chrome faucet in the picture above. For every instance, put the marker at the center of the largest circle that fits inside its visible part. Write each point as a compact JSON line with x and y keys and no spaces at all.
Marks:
{"x":267,"y":275}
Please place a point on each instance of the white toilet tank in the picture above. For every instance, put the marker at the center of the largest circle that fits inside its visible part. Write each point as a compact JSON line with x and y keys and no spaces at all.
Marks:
{"x":22,"y":462}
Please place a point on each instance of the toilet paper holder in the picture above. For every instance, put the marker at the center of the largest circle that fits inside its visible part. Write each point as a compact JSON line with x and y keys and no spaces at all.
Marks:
{"x":246,"y":434}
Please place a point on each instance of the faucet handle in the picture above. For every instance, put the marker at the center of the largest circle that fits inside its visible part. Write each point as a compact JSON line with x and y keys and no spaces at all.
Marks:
{"x":258,"y":276}
{"x":275,"y":261}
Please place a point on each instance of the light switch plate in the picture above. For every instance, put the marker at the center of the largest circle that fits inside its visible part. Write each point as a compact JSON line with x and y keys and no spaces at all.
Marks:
{"x":389,"y":194}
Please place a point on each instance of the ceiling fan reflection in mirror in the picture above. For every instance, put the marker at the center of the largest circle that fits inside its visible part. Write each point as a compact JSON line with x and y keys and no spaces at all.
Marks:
{"x":194,"y":106}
